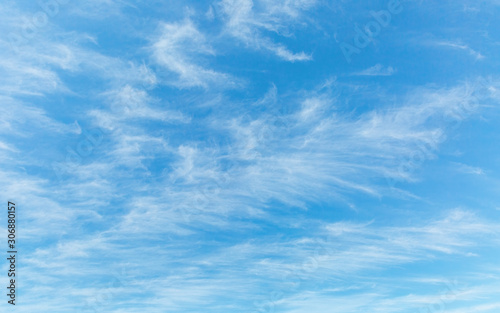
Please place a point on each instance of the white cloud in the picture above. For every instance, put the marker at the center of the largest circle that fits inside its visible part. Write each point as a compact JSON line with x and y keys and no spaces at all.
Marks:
{"x":467,"y":169}
{"x":168,"y":175}
{"x":377,"y":70}
{"x":305,"y":156}
{"x":21,"y":119}
{"x":457,"y":45}
{"x":132,"y":103}
{"x":247,"y":21}
{"x":178,"y":48}
{"x":314,"y":150}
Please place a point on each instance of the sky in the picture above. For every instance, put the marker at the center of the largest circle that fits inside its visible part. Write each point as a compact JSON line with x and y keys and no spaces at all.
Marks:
{"x":254,"y":156}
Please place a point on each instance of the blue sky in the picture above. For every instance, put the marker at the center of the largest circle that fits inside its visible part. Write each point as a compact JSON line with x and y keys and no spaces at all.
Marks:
{"x":235,"y":156}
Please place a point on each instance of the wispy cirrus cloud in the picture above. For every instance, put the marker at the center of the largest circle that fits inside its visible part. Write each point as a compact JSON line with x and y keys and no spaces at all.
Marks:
{"x":376,"y":70}
{"x":248,"y":21}
{"x":461,"y":46}
{"x":313,"y":153}
{"x":179,"y":48}
{"x":129,"y":103}
{"x":467,"y":169}
{"x":457,"y":45}
{"x":291,"y":274}
{"x":231,"y":199}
